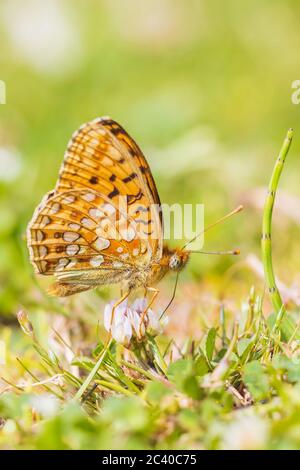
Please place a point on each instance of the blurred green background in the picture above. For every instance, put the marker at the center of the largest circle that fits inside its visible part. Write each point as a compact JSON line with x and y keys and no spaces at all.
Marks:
{"x":203,"y":86}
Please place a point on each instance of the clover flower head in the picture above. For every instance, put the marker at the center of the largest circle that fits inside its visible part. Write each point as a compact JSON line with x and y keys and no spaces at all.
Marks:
{"x":127,"y":323}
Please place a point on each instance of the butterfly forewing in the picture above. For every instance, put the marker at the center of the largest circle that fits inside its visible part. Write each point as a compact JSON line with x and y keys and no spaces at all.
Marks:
{"x":102,"y":156}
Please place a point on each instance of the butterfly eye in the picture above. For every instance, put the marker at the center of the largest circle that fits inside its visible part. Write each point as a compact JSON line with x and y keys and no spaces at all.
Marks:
{"x":174,"y":262}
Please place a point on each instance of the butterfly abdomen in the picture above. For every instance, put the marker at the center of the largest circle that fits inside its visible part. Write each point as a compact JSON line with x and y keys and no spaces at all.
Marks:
{"x":59,"y":289}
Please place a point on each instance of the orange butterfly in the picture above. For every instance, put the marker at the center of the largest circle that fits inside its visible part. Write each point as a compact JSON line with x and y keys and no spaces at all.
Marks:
{"x":72,"y":234}
{"x":80,"y":232}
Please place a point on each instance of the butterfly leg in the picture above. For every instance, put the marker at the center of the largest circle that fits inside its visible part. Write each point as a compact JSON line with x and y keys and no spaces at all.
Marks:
{"x":144,"y":313}
{"x":121,"y":299}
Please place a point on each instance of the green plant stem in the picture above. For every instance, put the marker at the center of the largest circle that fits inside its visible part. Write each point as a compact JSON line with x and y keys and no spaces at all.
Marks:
{"x":93,"y":372}
{"x":49,"y":389}
{"x":266,"y":242}
{"x":115,"y":387}
{"x":158,"y":358}
{"x":138,"y":369}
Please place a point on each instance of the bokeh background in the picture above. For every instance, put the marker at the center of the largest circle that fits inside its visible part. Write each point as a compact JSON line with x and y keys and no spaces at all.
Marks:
{"x":203,"y":86}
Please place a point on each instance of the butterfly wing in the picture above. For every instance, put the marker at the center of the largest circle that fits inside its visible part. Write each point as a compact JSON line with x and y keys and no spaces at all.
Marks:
{"x":80,"y":232}
{"x":102,"y":156}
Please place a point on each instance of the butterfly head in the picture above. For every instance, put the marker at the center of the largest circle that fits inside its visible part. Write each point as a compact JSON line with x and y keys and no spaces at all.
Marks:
{"x":177,"y":259}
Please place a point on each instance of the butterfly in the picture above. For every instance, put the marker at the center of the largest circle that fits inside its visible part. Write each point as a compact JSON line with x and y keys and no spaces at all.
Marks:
{"x":102,"y":224}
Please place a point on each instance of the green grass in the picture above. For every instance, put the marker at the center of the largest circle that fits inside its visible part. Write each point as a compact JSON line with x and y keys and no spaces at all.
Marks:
{"x":243,"y":378}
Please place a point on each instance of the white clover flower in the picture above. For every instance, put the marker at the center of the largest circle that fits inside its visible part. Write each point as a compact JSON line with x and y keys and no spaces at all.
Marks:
{"x":154,"y":325}
{"x":43,"y":34}
{"x":134,"y":317}
{"x":120,"y":326}
{"x":10,"y":164}
{"x":139,"y":305}
{"x":152,"y":319}
{"x":126,"y":323}
{"x":46,"y":404}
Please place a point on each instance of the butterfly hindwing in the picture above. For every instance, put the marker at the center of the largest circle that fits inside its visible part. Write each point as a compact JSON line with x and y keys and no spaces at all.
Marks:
{"x":81,"y":230}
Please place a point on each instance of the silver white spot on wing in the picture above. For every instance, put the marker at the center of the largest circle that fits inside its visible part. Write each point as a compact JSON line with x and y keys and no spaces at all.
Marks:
{"x":96,"y":261}
{"x":43,"y":250}
{"x":128,"y":234}
{"x":70,"y":236}
{"x":72,"y":250}
{"x":95,"y":213}
{"x":108,"y":209}
{"x":39,"y":235}
{"x":87,"y":222}
{"x":102,"y":243}
{"x":68,"y":199}
{"x":45,"y":220}
{"x":89,"y":197}
{"x":74,"y":226}
{"x":55,"y":207}
{"x":61,"y":264}
{"x":117,"y":264}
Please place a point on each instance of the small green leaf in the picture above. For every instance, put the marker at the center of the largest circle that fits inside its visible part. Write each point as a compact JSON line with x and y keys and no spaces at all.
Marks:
{"x":183,"y":374}
{"x":243,"y":345}
{"x":189,"y":420}
{"x":201,"y":366}
{"x":125,"y":414}
{"x":291,"y":366}
{"x":156,"y":391}
{"x":287,"y":326}
{"x":256,"y":380}
{"x":210,"y":343}
{"x":178,"y":369}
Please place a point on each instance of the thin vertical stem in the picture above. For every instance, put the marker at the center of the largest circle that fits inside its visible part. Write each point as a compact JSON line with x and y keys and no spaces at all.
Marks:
{"x":266,"y":242}
{"x":93,"y":372}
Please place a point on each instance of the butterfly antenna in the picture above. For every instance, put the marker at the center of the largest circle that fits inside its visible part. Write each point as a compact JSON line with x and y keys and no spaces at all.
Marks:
{"x":229,"y":252}
{"x":172,"y":298}
{"x":225,"y":217}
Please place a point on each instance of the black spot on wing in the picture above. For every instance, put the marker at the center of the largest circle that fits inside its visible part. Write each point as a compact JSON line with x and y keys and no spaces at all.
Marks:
{"x":131,"y":198}
{"x":114,"y":193}
{"x":144,"y":169}
{"x":117,"y":130}
{"x":132,"y":152}
{"x":129,"y":178}
{"x":93,"y":179}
